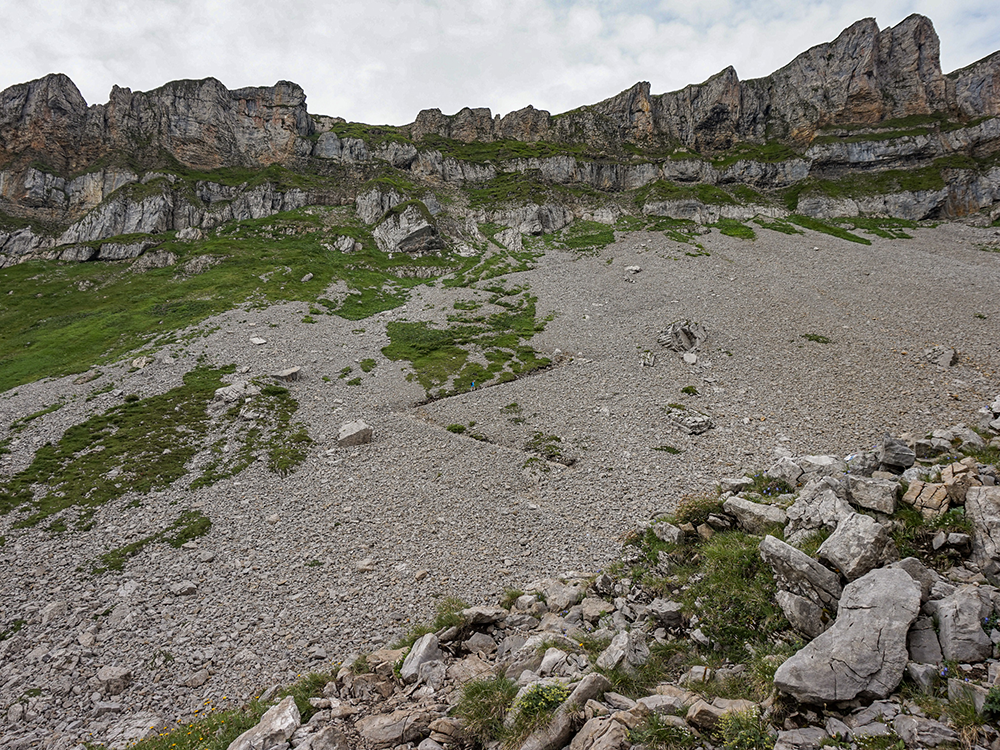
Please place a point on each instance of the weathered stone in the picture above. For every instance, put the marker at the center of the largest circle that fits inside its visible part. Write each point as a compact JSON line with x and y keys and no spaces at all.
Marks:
{"x":683,"y":336}
{"x":856,"y":546}
{"x":802,"y":614}
{"x":920,"y":732}
{"x":667,"y":613}
{"x":785,"y":469}
{"x":896,"y":454}
{"x":289,"y":374}
{"x":960,"y":630}
{"x":706,"y":715}
{"x":627,"y":649}
{"x":423,"y":650}
{"x":559,"y":596}
{"x":930,"y":499}
{"x":920,"y":573}
{"x":799,"y":574}
{"x":602,"y":733}
{"x":755,"y":518}
{"x":874,"y":494}
{"x":863,"y":654}
{"x":354,"y":433}
{"x":274,"y":728}
{"x":696,"y":676}
{"x":809,"y":738}
{"x":183,"y":588}
{"x":114,"y":680}
{"x":197,"y":679}
{"x":484,"y":615}
{"x":942,"y":356}
{"x":924,"y":675}
{"x":982,"y":508}
{"x":817,"y":467}
{"x":667,"y":532}
{"x":958,"y":478}
{"x":330,"y":737}
{"x":397,"y":728}
{"x":822,"y":504}
{"x":922,"y":642}
{"x":592,"y":608}
{"x":960,"y":690}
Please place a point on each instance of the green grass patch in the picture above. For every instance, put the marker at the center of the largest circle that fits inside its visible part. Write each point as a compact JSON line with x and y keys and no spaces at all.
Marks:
{"x":664,"y":190}
{"x":668,"y":449}
{"x":584,"y":236}
{"x":891,"y":229}
{"x":18,"y":425}
{"x":817,"y":338}
{"x":484,"y":705}
{"x":816,"y":225}
{"x":495,"y":152}
{"x":770,"y":152}
{"x":367,"y":365}
{"x":448,"y":615}
{"x":734,"y":228}
{"x":66,"y":318}
{"x":191,"y":525}
{"x":778,"y":225}
{"x":439,"y":357}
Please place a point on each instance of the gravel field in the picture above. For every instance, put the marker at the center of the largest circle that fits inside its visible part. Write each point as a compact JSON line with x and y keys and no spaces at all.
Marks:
{"x":426,"y":513}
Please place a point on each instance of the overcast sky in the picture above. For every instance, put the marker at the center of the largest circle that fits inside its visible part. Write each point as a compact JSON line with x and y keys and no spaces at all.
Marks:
{"x":381,"y":61}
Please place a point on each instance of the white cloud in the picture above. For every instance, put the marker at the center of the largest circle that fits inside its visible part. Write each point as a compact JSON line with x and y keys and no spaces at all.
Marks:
{"x":384,"y":60}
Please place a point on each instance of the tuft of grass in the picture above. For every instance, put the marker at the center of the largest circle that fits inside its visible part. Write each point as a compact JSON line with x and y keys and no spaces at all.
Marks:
{"x":817,"y":338}
{"x":668,"y":449}
{"x":734,"y":597}
{"x":509,"y":597}
{"x":696,"y":509}
{"x":689,"y":390}
{"x":458,"y":429}
{"x":533,"y":711}
{"x":656,"y":734}
{"x":745,"y":730}
{"x":547,"y":446}
{"x":767,"y":486}
{"x":440,"y":357}
{"x":449,"y":615}
{"x":484,"y":705}
{"x":367,"y":365}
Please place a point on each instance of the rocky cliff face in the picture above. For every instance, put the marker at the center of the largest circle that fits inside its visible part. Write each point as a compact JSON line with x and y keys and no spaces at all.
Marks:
{"x":201,"y":124}
{"x":864,"y":77}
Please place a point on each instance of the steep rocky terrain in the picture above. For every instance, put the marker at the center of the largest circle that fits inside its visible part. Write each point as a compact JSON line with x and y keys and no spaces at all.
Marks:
{"x":274,"y":388}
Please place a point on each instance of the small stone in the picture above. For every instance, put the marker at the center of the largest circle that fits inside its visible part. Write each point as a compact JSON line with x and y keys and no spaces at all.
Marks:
{"x":258,"y":341}
{"x":183,"y":588}
{"x":420,"y":574}
{"x":288,"y":375}
{"x":365,"y":566}
{"x":307,"y":277}
{"x":114,"y":680}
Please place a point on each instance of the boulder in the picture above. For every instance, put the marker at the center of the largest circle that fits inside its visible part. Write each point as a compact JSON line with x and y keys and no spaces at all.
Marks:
{"x":817,"y":467}
{"x":856,"y":547}
{"x":755,"y":518}
{"x":114,"y":680}
{"x":930,"y":499}
{"x":354,"y":433}
{"x":803,"y":614}
{"x":667,"y":613}
{"x":922,"y":642}
{"x":960,"y":624}
{"x":920,"y":573}
{"x":667,"y":532}
{"x":822,"y":504}
{"x":982,"y":508}
{"x":958,"y":478}
{"x":895,"y":454}
{"x":425,"y":649}
{"x":920,"y":732}
{"x":398,"y":728}
{"x":274,"y":728}
{"x":602,"y":733}
{"x":863,"y":654}
{"x":810,"y":738}
{"x":873,"y":494}
{"x":797,"y":573}
{"x":627,"y":649}
{"x":785,"y":469}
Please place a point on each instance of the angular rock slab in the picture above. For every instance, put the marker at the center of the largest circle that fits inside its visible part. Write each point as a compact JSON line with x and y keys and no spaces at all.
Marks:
{"x":856,"y":547}
{"x":425,"y":649}
{"x":960,"y":631}
{"x":799,"y":574}
{"x":275,"y":727}
{"x":863,"y":654}
{"x":873,"y":494}
{"x":354,"y":433}
{"x":982,"y":508}
{"x":822,"y":504}
{"x":755,"y":518}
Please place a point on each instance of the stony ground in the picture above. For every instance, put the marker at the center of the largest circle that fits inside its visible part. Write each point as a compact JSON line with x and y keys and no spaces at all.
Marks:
{"x":298,"y":572}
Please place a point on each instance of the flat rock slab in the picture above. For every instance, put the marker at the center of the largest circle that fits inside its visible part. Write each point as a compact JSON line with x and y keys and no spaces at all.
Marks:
{"x":982,"y":508}
{"x":863,"y":654}
{"x":799,"y":574}
{"x":275,"y":727}
{"x":856,"y":547}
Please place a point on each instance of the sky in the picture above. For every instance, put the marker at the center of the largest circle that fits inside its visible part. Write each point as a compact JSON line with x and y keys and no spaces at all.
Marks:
{"x":382,"y":61}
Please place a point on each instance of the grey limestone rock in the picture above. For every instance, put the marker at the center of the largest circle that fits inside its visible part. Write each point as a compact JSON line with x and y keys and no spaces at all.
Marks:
{"x":114,"y":680}
{"x":797,"y":573}
{"x":822,"y":504}
{"x":917,"y":731}
{"x":982,"y":508}
{"x":354,"y":433}
{"x":425,"y":649}
{"x":803,"y":614}
{"x":874,"y":494}
{"x":274,"y":728}
{"x":396,"y":728}
{"x":922,"y":642}
{"x":755,"y":518}
{"x":817,"y":467}
{"x":896,"y":454}
{"x":856,"y":546}
{"x":809,"y":738}
{"x":627,"y":649}
{"x":960,"y":631}
{"x":559,"y":730}
{"x":863,"y":654}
